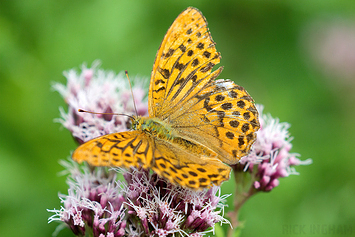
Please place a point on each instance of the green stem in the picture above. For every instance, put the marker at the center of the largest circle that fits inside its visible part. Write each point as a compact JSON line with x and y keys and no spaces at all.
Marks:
{"x":244,"y":190}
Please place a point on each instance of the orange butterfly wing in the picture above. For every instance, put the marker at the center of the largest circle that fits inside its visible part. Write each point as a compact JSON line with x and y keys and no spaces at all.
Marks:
{"x":183,"y":64}
{"x":137,"y":149}
{"x":124,"y":149}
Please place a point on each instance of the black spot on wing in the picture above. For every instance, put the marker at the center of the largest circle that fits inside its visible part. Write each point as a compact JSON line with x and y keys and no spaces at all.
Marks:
{"x":179,"y":66}
{"x":160,"y":89}
{"x":164,"y":72}
{"x":234,"y":123}
{"x":233,"y":94}
{"x":159,"y":81}
{"x":241,"y":104}
{"x":230,"y":135}
{"x":200,"y":45}
{"x":226,"y":106}
{"x":207,"y":54}
{"x":169,"y":53}
{"x":250,"y":136}
{"x":182,"y":48}
{"x":195,"y":62}
{"x":246,"y":115}
{"x":219,"y":98}
{"x":208,"y":67}
{"x":241,"y":141}
{"x":245,"y":127}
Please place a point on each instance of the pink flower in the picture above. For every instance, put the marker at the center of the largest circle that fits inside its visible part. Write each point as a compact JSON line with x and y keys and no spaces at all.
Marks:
{"x":94,"y":202}
{"x":168,"y":209}
{"x":145,"y":203}
{"x":99,"y":91}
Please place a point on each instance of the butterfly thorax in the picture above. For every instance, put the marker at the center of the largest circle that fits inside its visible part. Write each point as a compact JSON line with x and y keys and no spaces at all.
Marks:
{"x":154,"y":127}
{"x":157,"y":128}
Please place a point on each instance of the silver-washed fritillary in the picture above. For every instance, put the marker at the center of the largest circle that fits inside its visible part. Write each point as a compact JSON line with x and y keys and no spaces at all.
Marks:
{"x":196,"y":124}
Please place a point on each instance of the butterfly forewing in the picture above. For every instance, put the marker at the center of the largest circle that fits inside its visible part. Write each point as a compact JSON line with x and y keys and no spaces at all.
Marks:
{"x":217,"y":114}
{"x":183,"y":63}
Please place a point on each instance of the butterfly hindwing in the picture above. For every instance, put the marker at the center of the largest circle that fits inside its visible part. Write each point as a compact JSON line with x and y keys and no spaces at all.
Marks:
{"x":186,"y":168}
{"x":221,"y":116}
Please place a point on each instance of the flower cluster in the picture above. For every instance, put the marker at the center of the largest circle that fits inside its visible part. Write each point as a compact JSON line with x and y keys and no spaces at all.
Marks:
{"x":99,"y":91}
{"x":95,"y":201}
{"x":270,"y":157}
{"x":142,"y":204}
{"x":171,"y":209}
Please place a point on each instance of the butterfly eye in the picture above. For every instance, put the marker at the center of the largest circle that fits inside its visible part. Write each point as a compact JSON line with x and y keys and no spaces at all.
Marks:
{"x":130,"y":125}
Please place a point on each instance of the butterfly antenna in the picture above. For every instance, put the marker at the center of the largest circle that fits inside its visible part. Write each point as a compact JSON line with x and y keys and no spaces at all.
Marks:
{"x":90,"y":112}
{"x":130,"y":86}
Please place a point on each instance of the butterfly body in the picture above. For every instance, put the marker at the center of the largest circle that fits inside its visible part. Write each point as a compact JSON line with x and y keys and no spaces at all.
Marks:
{"x":154,"y":127}
{"x":158,"y":129}
{"x":196,"y":125}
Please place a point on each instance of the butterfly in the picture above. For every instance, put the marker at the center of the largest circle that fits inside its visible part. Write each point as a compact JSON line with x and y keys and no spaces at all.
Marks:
{"x":197,"y":126}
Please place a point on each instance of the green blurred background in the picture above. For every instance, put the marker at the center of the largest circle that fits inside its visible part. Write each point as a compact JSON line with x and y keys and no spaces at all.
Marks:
{"x":295,"y":57}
